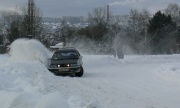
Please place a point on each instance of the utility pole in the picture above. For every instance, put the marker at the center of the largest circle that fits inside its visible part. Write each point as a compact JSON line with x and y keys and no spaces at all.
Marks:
{"x":31,"y":31}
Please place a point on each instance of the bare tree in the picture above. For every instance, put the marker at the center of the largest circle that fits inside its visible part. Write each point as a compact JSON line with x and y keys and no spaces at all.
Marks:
{"x":174,"y":11}
{"x":10,"y":16}
{"x":12,"y":20}
{"x":137,"y":29}
{"x":17,"y":23}
{"x":97,"y":16}
{"x":144,"y":21}
{"x":62,"y":32}
{"x":97,"y":23}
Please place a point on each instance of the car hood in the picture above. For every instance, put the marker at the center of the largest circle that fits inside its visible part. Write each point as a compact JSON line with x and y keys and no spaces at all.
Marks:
{"x":69,"y":61}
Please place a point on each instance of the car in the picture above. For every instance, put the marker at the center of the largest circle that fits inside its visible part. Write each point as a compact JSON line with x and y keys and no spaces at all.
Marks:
{"x":66,"y":61}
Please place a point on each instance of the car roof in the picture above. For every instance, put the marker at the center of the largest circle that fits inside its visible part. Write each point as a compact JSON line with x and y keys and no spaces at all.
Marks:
{"x":66,"y":49}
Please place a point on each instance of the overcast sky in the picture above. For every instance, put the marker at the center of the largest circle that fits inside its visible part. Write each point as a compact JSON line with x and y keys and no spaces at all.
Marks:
{"x":58,"y":8}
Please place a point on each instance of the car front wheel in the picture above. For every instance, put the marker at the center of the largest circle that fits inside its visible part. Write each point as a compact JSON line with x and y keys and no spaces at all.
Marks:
{"x":80,"y":74}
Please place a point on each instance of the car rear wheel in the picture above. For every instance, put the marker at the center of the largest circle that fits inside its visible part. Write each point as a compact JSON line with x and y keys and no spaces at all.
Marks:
{"x":80,"y":74}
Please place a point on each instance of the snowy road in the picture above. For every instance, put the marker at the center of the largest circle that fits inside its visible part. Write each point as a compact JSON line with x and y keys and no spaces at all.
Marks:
{"x":137,"y":81}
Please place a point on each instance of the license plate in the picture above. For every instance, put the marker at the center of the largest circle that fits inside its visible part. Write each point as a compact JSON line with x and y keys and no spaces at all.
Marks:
{"x":62,"y":69}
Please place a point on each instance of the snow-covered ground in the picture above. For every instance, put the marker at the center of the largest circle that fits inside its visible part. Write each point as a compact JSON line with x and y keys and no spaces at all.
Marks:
{"x":137,"y":81}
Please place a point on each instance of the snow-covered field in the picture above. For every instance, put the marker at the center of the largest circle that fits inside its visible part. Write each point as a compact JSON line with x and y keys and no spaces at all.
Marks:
{"x":138,"y":81}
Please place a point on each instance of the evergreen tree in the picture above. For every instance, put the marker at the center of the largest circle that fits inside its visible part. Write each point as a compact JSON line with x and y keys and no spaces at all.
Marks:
{"x":1,"y":39}
{"x":162,"y":31}
{"x":159,"y":21}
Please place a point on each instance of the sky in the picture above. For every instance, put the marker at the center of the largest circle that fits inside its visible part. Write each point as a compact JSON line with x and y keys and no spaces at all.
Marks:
{"x":59,"y":8}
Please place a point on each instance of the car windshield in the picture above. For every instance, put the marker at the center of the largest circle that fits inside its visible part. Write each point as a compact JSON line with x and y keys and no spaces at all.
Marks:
{"x":65,"y":55}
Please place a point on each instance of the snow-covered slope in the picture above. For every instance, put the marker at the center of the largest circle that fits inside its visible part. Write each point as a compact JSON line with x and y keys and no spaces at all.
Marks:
{"x":135,"y":82}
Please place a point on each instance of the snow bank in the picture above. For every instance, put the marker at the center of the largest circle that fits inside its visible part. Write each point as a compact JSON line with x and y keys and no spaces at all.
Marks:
{"x":134,"y":82}
{"x":170,"y":72}
{"x":28,"y":85}
{"x":25,"y":81}
{"x":17,"y":100}
{"x":29,"y":100}
{"x":52,"y":100}
{"x":25,"y":50}
{"x":78,"y":102}
{"x":31,"y":85}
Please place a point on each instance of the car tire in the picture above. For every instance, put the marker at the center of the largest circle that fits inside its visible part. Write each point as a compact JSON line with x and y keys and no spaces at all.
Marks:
{"x":80,"y":74}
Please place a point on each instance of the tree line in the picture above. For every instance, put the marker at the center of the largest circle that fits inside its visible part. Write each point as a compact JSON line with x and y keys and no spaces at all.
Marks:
{"x":143,"y":34}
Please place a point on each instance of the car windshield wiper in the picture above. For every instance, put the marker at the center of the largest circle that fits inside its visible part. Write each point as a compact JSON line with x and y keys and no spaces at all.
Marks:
{"x":57,"y":59}
{"x":72,"y":58}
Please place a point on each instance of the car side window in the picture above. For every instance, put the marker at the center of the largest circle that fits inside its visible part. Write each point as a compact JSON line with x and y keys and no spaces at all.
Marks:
{"x":56,"y":56}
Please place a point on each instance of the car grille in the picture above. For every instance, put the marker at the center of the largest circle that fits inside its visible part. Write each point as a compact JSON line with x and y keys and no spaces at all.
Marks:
{"x":61,"y":65}
{"x":64,"y":65}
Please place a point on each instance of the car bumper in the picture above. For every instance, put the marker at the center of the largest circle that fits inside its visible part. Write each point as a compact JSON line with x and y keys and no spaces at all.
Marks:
{"x":65,"y":70}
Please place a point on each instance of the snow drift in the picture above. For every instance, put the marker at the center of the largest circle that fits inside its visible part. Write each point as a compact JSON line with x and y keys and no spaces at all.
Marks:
{"x":25,"y":81}
{"x":148,"y":81}
{"x":25,"y":50}
{"x":27,"y":85}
